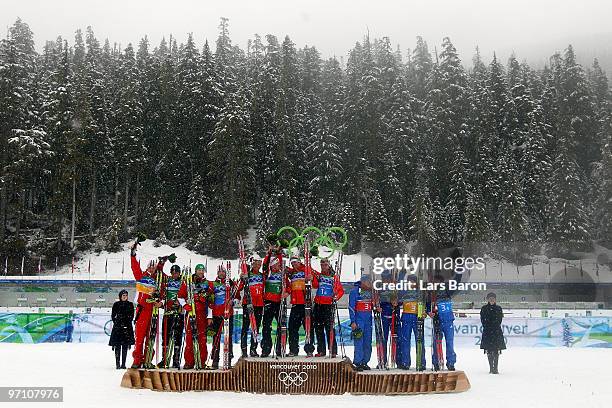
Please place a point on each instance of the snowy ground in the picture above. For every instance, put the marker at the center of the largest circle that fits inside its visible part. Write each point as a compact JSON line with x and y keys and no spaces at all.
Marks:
{"x":529,"y":378}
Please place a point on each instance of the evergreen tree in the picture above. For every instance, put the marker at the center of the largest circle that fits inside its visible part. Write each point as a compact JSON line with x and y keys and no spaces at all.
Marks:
{"x":422,"y":228}
{"x":197,"y":211}
{"x":477,"y":228}
{"x":233,"y":174}
{"x":569,"y":224}
{"x":456,"y":205}
{"x":378,"y":229}
{"x":513,"y":223}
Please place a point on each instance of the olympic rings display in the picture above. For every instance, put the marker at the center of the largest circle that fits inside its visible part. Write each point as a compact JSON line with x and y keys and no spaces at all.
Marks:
{"x":292,"y":378}
{"x":325,"y":238}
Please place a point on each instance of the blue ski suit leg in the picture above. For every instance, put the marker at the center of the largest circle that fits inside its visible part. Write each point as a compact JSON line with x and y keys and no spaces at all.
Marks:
{"x":445,"y":312}
{"x":408,"y":328}
{"x":448,"y":329}
{"x":363,"y":346}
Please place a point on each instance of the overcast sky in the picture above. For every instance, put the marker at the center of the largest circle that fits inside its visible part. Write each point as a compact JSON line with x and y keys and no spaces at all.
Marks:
{"x":534,"y":29}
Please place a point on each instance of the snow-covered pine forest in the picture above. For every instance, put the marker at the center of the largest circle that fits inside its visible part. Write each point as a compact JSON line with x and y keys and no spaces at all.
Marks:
{"x":196,"y":142}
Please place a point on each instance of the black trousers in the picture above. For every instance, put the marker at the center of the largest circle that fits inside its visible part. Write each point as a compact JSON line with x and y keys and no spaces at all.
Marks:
{"x":324,"y":323}
{"x":120,"y":355}
{"x":217,"y":325}
{"x":246,"y":326}
{"x":297,"y":320}
{"x":173,"y":326}
{"x":270,"y":312}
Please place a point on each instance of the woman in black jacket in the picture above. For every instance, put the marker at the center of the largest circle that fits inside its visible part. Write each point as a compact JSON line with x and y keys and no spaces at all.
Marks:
{"x":493,"y":341}
{"x":122,"y":336}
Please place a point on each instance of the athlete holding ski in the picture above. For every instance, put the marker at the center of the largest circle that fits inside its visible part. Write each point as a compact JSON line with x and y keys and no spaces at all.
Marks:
{"x":329,"y":289}
{"x":194,"y":296}
{"x":223,"y":299}
{"x":410,"y":304}
{"x":273,"y":275}
{"x":147,"y":290}
{"x":441,"y":311}
{"x":252,"y":305}
{"x":360,"y":312}
{"x":296,"y":287}
{"x":173,"y":323}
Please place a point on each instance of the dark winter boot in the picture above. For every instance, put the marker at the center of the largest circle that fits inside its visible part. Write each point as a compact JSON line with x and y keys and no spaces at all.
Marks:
{"x":253,"y":353}
{"x":244,"y":354}
{"x":491,"y":363}
{"x":117,"y":357}
{"x":450,"y":367}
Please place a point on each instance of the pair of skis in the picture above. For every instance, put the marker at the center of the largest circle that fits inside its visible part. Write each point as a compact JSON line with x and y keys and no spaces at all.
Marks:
{"x":154,"y":325}
{"x":191,"y":320}
{"x":437,"y":334}
{"x":307,"y":298}
{"x":282,"y":316}
{"x":394,"y":328}
{"x":170,"y":350}
{"x":381,"y":353}
{"x":420,"y":327}
{"x":226,"y":318}
{"x":247,"y":291}
{"x":335,"y":314}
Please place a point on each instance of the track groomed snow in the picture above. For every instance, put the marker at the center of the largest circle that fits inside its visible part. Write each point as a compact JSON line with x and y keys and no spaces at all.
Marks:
{"x":530,"y":377}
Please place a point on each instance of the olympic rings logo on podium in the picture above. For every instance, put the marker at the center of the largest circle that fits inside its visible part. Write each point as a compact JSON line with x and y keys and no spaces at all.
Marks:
{"x":293,"y":378}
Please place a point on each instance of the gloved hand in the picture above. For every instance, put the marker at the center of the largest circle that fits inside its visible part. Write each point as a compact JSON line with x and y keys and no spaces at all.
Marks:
{"x":357,"y":333}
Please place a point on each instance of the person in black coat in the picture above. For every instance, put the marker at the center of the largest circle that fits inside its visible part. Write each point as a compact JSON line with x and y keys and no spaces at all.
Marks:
{"x":493,"y":341}
{"x":122,"y":336}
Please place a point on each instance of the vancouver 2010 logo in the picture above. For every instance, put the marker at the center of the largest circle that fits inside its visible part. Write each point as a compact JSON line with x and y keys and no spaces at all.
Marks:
{"x":292,"y":378}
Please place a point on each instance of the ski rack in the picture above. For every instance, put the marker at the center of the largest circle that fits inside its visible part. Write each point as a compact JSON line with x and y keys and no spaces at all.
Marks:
{"x":297,"y":375}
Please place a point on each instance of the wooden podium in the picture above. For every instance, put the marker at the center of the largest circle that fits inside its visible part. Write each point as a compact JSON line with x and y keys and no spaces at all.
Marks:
{"x":298,"y":375}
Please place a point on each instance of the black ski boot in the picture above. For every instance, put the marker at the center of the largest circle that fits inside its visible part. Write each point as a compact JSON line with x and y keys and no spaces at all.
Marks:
{"x":450,"y":367}
{"x":253,"y":353}
{"x":244,"y":354}
{"x":117,"y":358}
